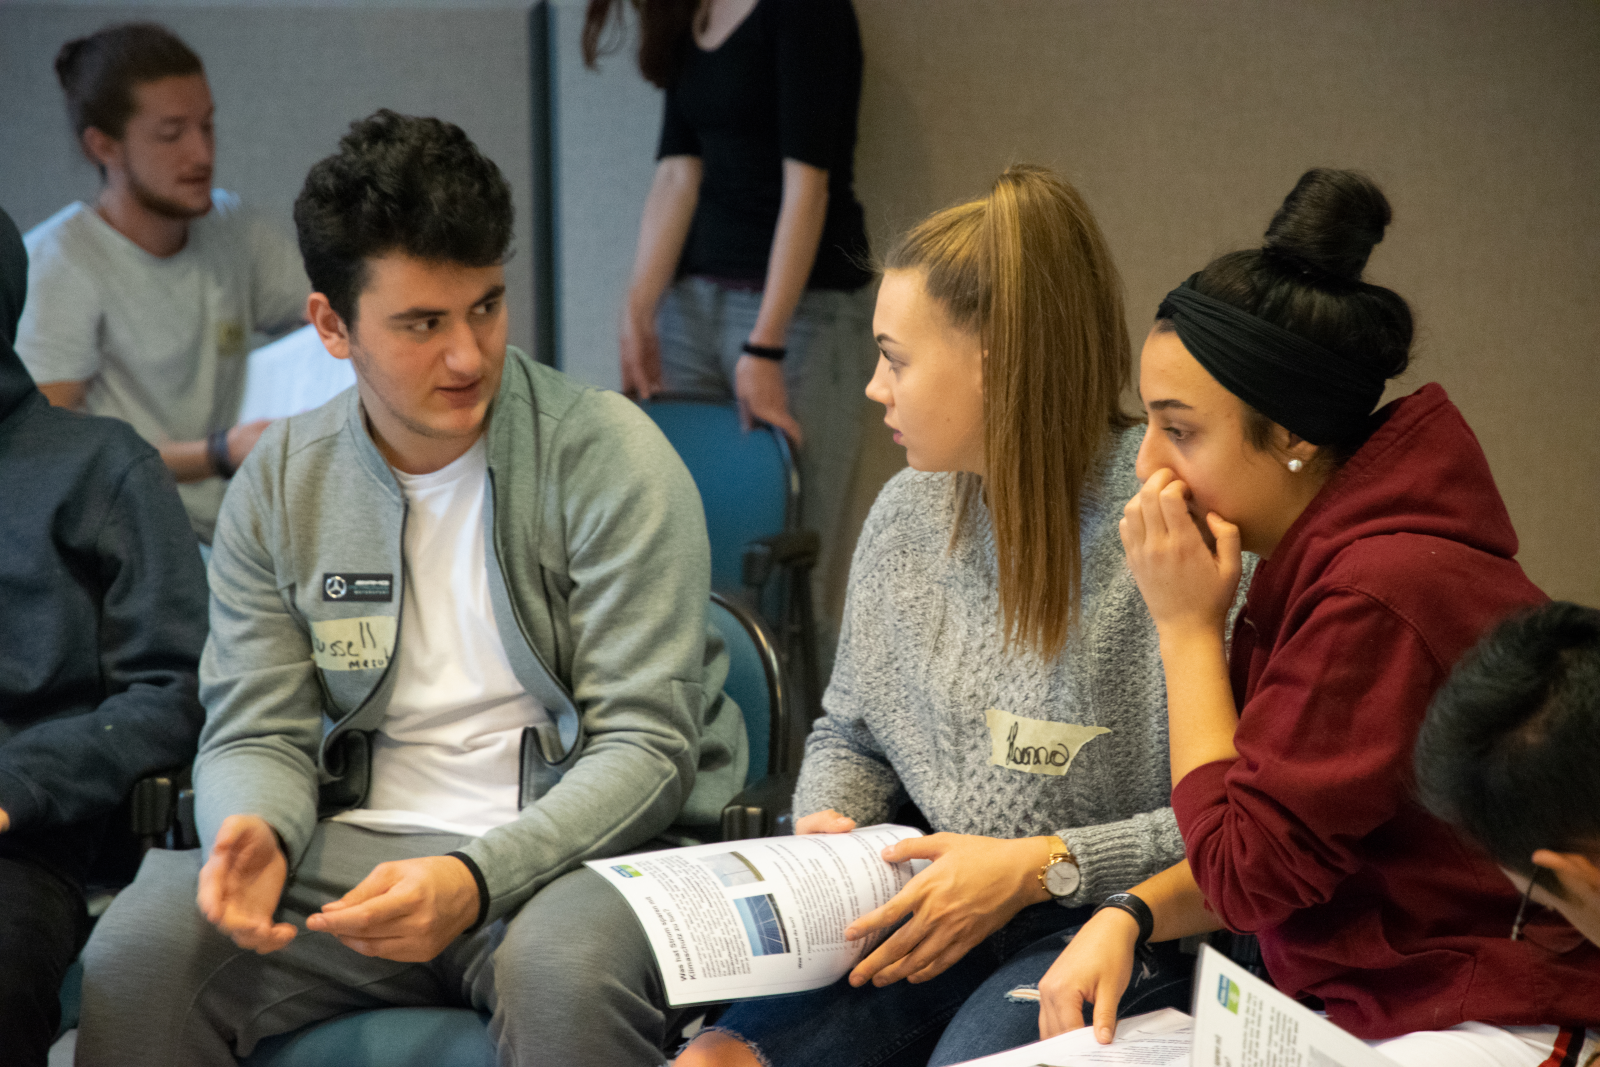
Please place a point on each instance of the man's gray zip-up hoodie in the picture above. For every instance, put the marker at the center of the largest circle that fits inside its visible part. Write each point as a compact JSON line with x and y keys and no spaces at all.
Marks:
{"x":599,"y":572}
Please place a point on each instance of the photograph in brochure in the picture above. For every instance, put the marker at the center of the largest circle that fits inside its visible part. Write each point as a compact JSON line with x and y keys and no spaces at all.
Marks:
{"x":741,"y":919}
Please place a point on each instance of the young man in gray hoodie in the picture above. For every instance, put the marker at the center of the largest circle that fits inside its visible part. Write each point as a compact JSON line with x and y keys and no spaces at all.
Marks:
{"x":459,"y":645}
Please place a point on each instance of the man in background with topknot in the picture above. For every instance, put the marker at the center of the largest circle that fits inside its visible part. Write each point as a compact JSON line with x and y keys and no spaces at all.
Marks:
{"x":141,"y":306}
{"x":459,"y":645}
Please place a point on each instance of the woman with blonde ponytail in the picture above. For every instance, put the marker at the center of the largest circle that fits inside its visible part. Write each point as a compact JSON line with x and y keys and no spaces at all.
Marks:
{"x":996,"y":667}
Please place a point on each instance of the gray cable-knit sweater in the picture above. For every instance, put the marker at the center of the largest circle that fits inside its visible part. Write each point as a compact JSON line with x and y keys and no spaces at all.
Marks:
{"x":922,"y":671}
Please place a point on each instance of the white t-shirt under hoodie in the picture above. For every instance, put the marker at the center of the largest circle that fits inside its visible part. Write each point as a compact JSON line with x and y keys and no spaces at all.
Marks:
{"x":447,"y":757}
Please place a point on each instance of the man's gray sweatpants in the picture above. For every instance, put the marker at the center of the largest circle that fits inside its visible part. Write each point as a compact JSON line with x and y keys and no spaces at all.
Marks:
{"x":568,"y":979}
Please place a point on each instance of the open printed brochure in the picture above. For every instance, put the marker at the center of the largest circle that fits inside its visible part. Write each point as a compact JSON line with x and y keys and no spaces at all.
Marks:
{"x":1239,"y":1021}
{"x":752,"y":918}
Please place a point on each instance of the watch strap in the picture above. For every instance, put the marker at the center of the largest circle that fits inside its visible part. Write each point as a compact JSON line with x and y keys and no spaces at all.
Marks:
{"x":1137,"y":908}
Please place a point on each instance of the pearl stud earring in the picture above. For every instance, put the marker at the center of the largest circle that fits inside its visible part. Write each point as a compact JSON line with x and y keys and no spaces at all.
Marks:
{"x":1296,"y":466}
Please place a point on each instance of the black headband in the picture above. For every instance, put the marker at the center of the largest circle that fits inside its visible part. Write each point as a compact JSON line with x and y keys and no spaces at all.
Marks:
{"x":1310,"y":391}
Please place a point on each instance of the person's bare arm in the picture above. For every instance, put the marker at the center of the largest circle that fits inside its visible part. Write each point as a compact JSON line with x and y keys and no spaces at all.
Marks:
{"x":1097,"y":963}
{"x":758,"y":383}
{"x":668,"y":210}
{"x":67,"y":395}
{"x":187,"y":460}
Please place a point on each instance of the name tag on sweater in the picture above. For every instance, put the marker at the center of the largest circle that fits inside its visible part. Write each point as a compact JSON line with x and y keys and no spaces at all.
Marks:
{"x":1034,"y":745}
{"x":359,"y":644}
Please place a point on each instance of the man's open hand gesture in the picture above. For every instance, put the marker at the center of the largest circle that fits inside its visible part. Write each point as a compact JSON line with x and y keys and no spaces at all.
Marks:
{"x":241,"y":883}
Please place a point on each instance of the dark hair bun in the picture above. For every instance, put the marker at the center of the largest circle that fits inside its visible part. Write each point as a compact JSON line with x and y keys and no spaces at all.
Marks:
{"x":1328,"y":225}
{"x":67,"y":62}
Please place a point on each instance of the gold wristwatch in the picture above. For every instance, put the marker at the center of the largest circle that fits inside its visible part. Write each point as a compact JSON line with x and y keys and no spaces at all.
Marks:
{"x":1060,"y":875}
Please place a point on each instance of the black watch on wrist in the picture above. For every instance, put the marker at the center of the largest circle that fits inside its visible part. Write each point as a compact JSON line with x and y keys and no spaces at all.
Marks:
{"x":217,"y":453}
{"x":1137,"y":908}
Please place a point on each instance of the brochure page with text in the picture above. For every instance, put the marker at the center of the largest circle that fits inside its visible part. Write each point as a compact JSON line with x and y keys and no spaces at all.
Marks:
{"x":753,"y":918}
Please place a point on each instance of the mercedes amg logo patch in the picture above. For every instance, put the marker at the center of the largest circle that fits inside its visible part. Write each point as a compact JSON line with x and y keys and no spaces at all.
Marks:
{"x":358,"y":587}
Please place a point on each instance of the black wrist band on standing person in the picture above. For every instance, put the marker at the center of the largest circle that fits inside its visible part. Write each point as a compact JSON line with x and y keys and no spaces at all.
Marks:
{"x":764,"y":351}
{"x":1137,"y":908}
{"x":217,"y":453}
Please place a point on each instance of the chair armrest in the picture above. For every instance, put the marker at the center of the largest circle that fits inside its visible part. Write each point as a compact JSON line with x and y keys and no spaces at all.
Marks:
{"x":762,"y":809}
{"x":792,"y":548}
{"x":156,"y":809}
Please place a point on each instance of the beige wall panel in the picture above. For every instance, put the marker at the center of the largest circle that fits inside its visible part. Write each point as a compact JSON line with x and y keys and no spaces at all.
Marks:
{"x":1186,"y":123}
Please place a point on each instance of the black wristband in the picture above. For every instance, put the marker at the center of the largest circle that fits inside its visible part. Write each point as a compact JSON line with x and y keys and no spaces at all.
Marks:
{"x":764,"y":351}
{"x":1137,"y":908}
{"x":483,"y":889}
{"x":217,"y":453}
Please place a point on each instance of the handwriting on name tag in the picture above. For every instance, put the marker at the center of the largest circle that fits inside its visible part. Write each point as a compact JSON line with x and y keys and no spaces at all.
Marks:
{"x":1035,"y":746}
{"x":360,"y":644}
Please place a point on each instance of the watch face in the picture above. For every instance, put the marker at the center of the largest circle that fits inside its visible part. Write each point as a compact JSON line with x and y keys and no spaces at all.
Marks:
{"x":1061,"y":878}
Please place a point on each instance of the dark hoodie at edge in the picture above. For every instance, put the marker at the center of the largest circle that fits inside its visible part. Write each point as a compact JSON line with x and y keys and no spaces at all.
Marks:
{"x":1313,"y":838}
{"x":102,"y":611}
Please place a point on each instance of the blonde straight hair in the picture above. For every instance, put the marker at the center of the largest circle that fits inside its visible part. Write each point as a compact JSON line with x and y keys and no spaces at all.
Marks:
{"x":1027,"y":270}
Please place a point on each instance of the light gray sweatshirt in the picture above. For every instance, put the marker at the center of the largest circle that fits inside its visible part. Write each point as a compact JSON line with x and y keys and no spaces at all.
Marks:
{"x":598,"y":573}
{"x":924,"y":697}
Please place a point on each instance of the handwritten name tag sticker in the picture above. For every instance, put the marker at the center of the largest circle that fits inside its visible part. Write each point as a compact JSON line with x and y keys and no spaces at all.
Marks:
{"x":1034,"y":745}
{"x":359,"y":644}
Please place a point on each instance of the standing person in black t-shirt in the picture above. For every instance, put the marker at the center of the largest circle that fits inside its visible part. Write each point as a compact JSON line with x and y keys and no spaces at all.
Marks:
{"x":750,"y":279}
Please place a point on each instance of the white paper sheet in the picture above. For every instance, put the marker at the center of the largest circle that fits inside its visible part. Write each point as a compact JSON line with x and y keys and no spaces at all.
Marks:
{"x":1241,"y":1021}
{"x":752,"y":918}
{"x":1154,"y":1039}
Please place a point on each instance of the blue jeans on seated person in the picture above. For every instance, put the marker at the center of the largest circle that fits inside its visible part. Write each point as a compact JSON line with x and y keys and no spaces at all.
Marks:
{"x":961,"y":1014}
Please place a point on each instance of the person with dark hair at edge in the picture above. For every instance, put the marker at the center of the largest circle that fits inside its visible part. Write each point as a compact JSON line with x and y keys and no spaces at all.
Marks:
{"x":141,"y":306}
{"x":1510,"y":755}
{"x":459,"y":645}
{"x":102,"y":618}
{"x":998,"y":667}
{"x":750,"y":281}
{"x":1386,"y":552}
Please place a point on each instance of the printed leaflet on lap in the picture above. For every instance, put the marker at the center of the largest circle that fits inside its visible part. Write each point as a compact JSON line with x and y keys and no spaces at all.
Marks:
{"x":755,"y":918}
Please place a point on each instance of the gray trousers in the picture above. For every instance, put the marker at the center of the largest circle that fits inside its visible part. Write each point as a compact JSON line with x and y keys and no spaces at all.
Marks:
{"x":568,"y":979}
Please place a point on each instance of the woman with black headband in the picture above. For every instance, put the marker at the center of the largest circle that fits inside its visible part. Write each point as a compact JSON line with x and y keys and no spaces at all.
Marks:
{"x":1386,"y":552}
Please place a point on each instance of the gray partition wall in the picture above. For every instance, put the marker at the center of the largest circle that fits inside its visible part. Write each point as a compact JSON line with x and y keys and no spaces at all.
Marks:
{"x":1184,"y":124}
{"x":287,"y":81}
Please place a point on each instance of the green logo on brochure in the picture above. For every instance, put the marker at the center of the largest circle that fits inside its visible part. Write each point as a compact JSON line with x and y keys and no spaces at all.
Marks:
{"x":627,"y":871}
{"x":1228,"y":994}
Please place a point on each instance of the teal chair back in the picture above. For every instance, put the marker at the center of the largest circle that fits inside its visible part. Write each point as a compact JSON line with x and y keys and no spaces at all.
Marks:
{"x":747,"y":481}
{"x":755,"y":682}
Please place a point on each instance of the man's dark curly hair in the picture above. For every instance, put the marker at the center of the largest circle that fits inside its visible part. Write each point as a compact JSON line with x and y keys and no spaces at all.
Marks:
{"x":399,"y":184}
{"x":1510,"y":749}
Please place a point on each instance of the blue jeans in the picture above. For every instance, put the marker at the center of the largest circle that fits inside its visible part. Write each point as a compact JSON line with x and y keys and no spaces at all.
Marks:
{"x":703,"y":325}
{"x":961,"y":1014}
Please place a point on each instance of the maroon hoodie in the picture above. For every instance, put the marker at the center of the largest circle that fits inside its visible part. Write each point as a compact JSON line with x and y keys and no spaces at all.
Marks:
{"x":1313,"y":838}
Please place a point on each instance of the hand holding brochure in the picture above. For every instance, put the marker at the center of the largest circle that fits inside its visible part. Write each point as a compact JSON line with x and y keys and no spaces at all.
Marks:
{"x":752,"y":918}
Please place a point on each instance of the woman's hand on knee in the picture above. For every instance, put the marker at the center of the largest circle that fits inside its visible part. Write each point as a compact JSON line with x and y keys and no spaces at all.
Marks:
{"x":825,"y":822}
{"x":1095,"y":967}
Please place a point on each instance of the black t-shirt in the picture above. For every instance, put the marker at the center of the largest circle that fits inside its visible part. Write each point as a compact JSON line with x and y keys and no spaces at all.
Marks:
{"x":784,"y":85}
